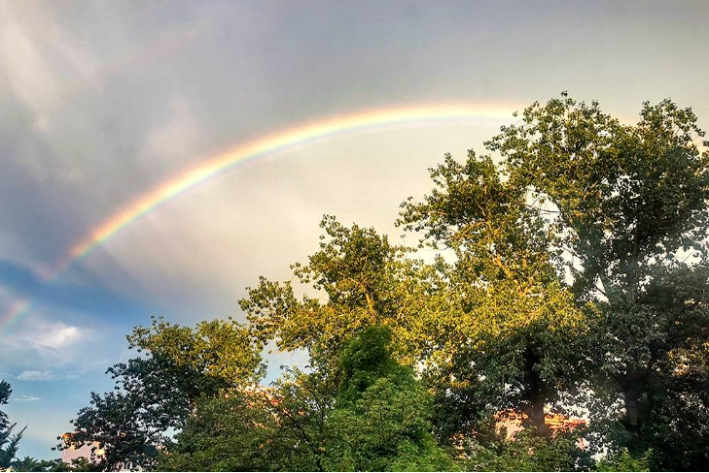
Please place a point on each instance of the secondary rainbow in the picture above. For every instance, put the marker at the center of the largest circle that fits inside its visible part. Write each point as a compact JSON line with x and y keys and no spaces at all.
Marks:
{"x":265,"y":146}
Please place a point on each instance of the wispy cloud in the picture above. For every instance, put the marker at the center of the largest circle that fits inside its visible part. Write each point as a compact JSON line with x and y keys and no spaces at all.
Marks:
{"x":41,"y":346}
{"x":46,"y":335}
{"x":36,"y":375}
{"x":26,"y":398}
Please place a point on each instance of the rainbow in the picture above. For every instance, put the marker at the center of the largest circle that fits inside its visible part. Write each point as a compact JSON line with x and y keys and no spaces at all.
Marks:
{"x":269,"y":145}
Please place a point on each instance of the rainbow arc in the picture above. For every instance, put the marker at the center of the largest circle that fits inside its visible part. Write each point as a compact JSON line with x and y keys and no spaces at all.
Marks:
{"x":277,"y":143}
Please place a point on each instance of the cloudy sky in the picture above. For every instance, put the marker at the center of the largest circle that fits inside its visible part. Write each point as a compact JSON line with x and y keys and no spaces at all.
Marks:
{"x":102,"y":101}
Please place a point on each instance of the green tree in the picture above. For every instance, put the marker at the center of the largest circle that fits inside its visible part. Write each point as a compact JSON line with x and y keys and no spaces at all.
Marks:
{"x":628,"y":206}
{"x":509,"y":333}
{"x":5,"y":393}
{"x":236,"y":431}
{"x":363,"y":281}
{"x":382,"y":419}
{"x":32,"y":464}
{"x":372,"y":415}
{"x":28,"y":464}
{"x":529,"y":451}
{"x":157,"y":391}
{"x":9,"y":442}
{"x":622,"y":460}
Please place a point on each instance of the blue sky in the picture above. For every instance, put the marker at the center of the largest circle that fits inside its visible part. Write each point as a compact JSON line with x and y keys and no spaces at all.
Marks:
{"x":101,"y":101}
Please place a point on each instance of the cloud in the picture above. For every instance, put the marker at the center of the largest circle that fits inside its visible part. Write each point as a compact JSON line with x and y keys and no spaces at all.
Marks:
{"x":52,"y":336}
{"x":62,"y":336}
{"x":40,"y":344}
{"x":35,"y":375}
{"x":26,"y":398}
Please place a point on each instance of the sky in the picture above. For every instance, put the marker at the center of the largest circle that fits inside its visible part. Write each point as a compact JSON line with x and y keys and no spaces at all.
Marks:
{"x":102,"y":102}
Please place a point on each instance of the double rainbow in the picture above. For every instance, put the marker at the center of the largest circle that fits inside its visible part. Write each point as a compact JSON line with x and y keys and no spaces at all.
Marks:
{"x":269,"y":145}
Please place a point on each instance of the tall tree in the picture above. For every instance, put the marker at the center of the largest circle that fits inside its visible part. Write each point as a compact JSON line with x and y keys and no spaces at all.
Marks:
{"x":382,"y":416}
{"x":628,"y":205}
{"x":157,"y":391}
{"x":510,"y":331}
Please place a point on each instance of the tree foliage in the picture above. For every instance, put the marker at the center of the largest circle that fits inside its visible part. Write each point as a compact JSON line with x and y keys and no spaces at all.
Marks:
{"x":32,"y":464}
{"x":511,"y":330}
{"x":157,"y":392}
{"x":375,"y":418}
{"x":528,"y":451}
{"x":360,"y":280}
{"x":629,"y":208}
{"x":9,"y":442}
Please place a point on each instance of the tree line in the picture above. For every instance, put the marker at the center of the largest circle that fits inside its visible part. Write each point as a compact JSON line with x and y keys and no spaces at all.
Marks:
{"x":570,"y":279}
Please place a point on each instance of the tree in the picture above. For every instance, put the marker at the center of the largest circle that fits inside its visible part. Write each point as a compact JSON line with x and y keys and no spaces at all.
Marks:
{"x":158,"y":391}
{"x":510,"y":332}
{"x":5,"y":392}
{"x":628,"y":206}
{"x":32,"y":464}
{"x":374,"y":416}
{"x":624,"y":461}
{"x":528,"y":451}
{"x":382,"y":419}
{"x":236,"y":431}
{"x":9,"y":442}
{"x":364,"y":281}
{"x":28,"y":464}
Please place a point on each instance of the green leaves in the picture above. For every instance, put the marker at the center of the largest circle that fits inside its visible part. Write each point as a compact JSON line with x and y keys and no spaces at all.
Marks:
{"x":512,"y":327}
{"x":5,"y":392}
{"x":375,"y":416}
{"x":157,"y":391}
{"x":363,"y":281}
{"x":529,"y":451}
{"x":223,"y":351}
{"x":628,"y":207}
{"x":9,"y":442}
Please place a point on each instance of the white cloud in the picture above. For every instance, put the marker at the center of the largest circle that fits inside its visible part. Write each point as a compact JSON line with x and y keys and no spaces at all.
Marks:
{"x":61,"y":336}
{"x":26,"y":398}
{"x":35,"y":375}
{"x":45,"y":335}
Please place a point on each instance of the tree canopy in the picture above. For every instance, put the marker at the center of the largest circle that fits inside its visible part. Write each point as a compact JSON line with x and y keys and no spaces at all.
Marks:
{"x":157,"y":392}
{"x":9,"y":441}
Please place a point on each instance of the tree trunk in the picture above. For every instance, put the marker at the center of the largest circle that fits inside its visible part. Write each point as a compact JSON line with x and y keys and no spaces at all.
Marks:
{"x":536,"y":414}
{"x":534,"y":393}
{"x":632,"y":408}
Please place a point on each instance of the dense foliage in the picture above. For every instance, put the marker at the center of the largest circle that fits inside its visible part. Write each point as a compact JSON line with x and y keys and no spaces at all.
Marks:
{"x":9,"y":442}
{"x":570,"y":279}
{"x":157,"y":392}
